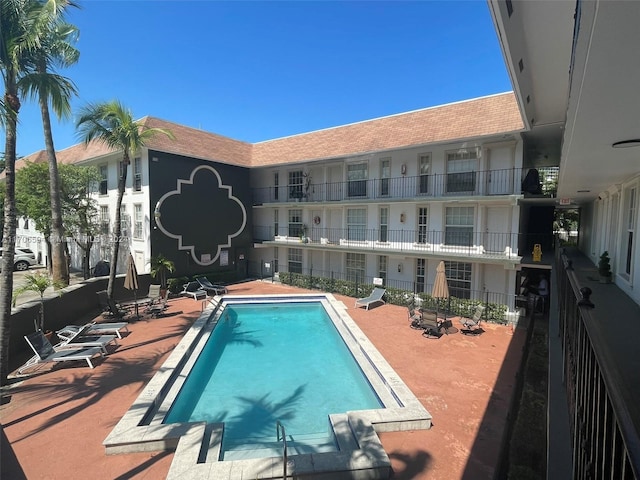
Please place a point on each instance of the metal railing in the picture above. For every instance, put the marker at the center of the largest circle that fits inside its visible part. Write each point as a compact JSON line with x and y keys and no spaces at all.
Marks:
{"x":452,"y":242}
{"x":473,"y":183}
{"x":280,"y":429}
{"x":604,"y":440}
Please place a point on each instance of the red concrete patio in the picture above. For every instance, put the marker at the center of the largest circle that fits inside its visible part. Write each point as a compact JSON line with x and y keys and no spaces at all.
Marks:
{"x":56,"y":421}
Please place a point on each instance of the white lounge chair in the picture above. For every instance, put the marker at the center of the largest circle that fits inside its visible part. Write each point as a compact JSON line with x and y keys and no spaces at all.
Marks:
{"x":112,"y":328}
{"x":45,"y":353}
{"x":374,"y":298}
{"x":209,"y":287}
{"x":193,"y":289}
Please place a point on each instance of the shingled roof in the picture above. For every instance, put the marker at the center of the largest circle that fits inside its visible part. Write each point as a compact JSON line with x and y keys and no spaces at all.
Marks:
{"x":463,"y":120}
{"x":491,"y":115}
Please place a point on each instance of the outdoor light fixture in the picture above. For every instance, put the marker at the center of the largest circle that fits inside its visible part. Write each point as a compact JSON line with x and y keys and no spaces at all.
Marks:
{"x":627,"y":143}
{"x":399,"y":268}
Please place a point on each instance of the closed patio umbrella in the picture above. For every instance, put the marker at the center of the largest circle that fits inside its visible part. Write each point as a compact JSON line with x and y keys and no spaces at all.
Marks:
{"x":131,"y":280}
{"x":441,"y":290}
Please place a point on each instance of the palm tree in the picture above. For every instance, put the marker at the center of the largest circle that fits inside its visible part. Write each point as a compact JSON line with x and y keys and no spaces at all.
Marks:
{"x":160,"y":266}
{"x":112,"y":124}
{"x":54,"y":49}
{"x":37,"y":282}
{"x":19,"y":22}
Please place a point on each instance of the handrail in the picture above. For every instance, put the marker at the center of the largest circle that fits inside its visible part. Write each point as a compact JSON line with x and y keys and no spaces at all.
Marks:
{"x":279,"y":428}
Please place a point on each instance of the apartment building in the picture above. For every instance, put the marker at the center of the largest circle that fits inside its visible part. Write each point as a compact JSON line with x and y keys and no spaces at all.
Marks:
{"x":383,"y":200}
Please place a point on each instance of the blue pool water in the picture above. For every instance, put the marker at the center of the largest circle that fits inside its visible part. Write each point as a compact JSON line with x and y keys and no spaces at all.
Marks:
{"x":270,"y":362}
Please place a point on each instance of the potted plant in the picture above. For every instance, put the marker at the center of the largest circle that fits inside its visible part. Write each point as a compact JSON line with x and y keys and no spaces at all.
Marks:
{"x":38,"y":282}
{"x":604,"y":268}
{"x":160,"y":266}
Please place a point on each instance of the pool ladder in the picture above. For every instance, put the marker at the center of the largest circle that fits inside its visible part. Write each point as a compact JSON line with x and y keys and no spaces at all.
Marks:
{"x":279,"y":429}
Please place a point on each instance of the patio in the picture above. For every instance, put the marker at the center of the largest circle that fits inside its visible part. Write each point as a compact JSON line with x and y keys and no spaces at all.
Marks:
{"x":56,"y":421}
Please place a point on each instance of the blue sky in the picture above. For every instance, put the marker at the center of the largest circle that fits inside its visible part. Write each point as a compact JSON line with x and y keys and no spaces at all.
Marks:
{"x":256,"y":71}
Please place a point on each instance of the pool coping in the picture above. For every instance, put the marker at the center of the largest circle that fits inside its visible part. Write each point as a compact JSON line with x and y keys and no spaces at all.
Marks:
{"x":197,"y":445}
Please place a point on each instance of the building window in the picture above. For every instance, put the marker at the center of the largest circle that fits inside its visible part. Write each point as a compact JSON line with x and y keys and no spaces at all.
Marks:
{"x":104,"y":219}
{"x":357,"y":224}
{"x":103,"y":188}
{"x":630,"y":227}
{"x":385,"y":176}
{"x":137,"y":174}
{"x":384,"y":224}
{"x":295,"y":223}
{"x":355,"y":267}
{"x":383,"y":264}
{"x":275,"y":260}
{"x":276,"y":222}
{"x":122,"y":169}
{"x":125,"y":221}
{"x":295,"y":260}
{"x":423,"y":225}
{"x":296,"y":182}
{"x":276,"y":185}
{"x":26,"y":223}
{"x":424,"y":168}
{"x":459,"y":226}
{"x":461,"y":171}
{"x":421,"y":273}
{"x":137,"y":220}
{"x":458,"y":279}
{"x":357,"y":179}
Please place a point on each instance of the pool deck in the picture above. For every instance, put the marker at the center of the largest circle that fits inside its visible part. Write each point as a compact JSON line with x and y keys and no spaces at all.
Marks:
{"x":55,"y":422}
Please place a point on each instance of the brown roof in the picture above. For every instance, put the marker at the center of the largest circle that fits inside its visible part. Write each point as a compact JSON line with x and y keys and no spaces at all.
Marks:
{"x":456,"y":121}
{"x":469,"y":119}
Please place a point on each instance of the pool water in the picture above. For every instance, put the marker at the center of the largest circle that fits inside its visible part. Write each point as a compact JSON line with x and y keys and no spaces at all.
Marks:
{"x":273,"y":362}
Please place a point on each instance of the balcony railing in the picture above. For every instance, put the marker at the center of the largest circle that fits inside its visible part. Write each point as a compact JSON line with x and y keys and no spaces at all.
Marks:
{"x":605,"y":441}
{"x":488,"y":182}
{"x":452,"y":242}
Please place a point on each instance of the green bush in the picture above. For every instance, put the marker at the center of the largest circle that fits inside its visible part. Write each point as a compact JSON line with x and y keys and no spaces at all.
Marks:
{"x":175,"y":284}
{"x":494,"y":312}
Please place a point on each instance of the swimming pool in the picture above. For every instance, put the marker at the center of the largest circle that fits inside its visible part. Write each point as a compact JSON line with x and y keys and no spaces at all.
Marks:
{"x":353,"y":445}
{"x":267,"y":362}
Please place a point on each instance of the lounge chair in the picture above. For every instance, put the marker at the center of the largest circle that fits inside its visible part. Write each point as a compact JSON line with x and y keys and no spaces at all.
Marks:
{"x":111,"y":308}
{"x":46,"y":353}
{"x":93,"y":328}
{"x":209,"y":287}
{"x":472,"y":325}
{"x":193,"y":289}
{"x":373,"y":299}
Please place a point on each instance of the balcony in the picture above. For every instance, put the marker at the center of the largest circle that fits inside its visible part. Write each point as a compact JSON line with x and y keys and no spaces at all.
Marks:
{"x":452,"y":243}
{"x":479,"y":183}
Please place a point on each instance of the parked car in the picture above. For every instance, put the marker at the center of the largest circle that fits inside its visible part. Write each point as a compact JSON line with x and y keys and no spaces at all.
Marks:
{"x":23,"y":258}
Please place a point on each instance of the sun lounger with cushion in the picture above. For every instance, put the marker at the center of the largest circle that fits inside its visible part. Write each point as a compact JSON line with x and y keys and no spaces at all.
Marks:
{"x":209,"y":287}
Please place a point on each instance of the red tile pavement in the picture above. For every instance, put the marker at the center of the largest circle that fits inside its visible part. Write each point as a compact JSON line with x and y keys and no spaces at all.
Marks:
{"x":56,"y":421}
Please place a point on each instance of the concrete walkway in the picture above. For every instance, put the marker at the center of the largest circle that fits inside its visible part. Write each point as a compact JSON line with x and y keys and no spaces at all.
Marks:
{"x":55,"y":422}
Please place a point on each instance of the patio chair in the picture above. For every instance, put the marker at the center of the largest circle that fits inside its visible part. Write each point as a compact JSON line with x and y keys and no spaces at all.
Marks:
{"x":431,"y":325}
{"x":156,"y":309}
{"x":93,"y":328}
{"x":472,"y":325}
{"x":373,"y":299}
{"x":46,"y":353}
{"x":193,"y":289}
{"x":111,"y":308}
{"x":209,"y":287}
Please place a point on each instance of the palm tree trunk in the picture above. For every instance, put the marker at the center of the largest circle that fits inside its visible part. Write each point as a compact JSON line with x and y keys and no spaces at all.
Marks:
{"x":9,"y":232}
{"x":59,"y":263}
{"x":117,"y":230}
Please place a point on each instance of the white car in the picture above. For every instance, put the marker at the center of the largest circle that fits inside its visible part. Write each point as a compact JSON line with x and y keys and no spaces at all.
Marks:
{"x":23,"y":259}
